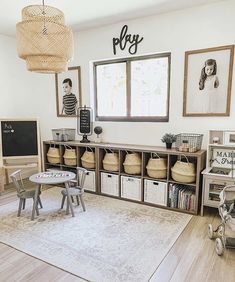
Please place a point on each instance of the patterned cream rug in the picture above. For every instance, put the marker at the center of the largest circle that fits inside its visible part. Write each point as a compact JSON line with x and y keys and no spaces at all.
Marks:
{"x":112,"y":241}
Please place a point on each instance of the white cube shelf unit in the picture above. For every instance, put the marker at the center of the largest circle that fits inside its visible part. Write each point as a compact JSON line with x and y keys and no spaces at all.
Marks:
{"x":139,"y":187}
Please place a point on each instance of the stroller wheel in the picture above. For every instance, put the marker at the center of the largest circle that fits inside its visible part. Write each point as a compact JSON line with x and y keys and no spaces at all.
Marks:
{"x":211,"y":233}
{"x":221,"y":230}
{"x":219,"y":246}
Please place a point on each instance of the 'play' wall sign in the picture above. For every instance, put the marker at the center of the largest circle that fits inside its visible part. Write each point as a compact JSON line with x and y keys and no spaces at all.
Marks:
{"x":124,"y":39}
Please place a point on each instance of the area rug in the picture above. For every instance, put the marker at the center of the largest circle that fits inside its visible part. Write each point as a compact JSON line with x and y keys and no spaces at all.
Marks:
{"x":112,"y":241}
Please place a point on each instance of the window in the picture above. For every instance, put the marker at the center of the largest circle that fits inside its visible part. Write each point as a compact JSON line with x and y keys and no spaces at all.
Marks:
{"x":133,"y":89}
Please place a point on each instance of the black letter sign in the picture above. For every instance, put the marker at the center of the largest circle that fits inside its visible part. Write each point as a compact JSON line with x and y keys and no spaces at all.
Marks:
{"x":125,"y":38}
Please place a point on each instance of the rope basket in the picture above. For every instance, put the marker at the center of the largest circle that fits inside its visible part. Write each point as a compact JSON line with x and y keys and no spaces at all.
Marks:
{"x":183,"y":171}
{"x":157,"y":167}
{"x":43,"y":39}
{"x":2,"y":179}
{"x":88,"y":159}
{"x":70,"y":157}
{"x":110,"y":161}
{"x":132,"y":163}
{"x":53,"y":155}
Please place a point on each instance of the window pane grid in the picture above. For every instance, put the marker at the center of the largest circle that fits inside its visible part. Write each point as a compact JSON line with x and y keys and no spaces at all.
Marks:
{"x":135,"y":89}
{"x":111,"y":89}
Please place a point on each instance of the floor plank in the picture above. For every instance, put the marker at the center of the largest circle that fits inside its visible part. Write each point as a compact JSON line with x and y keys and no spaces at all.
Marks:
{"x":192,"y":257}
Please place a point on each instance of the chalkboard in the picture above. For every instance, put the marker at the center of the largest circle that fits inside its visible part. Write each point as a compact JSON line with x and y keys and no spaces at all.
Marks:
{"x":19,"y":138}
{"x":85,"y":121}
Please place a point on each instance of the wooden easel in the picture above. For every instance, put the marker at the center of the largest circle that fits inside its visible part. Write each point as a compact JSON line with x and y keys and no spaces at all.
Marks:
{"x":18,"y":162}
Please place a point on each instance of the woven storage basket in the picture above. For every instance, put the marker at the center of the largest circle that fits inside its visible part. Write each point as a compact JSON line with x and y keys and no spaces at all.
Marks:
{"x":70,"y":157}
{"x":157,"y":168}
{"x":110,"y":161}
{"x":132,"y":163}
{"x":183,"y":171}
{"x":2,"y":178}
{"x":43,"y":39}
{"x":88,"y":159}
{"x":53,"y":155}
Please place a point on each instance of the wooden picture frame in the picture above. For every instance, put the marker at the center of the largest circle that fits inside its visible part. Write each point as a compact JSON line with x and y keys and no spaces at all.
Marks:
{"x":68,"y":107}
{"x":229,"y":138}
{"x":208,"y":81}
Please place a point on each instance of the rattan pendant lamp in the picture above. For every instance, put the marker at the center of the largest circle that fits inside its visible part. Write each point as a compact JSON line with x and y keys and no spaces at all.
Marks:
{"x":43,"y":39}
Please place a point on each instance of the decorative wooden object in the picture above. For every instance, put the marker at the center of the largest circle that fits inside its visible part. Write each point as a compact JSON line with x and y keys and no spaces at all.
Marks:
{"x":43,"y":40}
{"x":10,"y":161}
{"x":121,"y":184}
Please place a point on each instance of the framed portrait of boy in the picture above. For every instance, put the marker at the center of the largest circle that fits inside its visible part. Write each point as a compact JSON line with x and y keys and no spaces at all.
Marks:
{"x":208,"y":81}
{"x":68,"y":92}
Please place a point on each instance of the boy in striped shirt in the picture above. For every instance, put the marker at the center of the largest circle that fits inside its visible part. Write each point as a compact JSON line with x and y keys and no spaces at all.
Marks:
{"x":69,"y":99}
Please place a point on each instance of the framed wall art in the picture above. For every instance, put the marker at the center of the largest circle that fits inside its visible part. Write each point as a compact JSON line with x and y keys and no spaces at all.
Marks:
{"x":229,"y":138}
{"x":68,"y":92}
{"x":208,"y":81}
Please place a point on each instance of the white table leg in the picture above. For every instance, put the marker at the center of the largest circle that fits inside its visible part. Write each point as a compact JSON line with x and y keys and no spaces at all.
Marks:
{"x":35,"y":202}
{"x":69,"y":201}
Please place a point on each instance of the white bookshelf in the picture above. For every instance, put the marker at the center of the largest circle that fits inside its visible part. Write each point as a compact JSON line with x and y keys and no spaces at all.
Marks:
{"x":220,"y":166}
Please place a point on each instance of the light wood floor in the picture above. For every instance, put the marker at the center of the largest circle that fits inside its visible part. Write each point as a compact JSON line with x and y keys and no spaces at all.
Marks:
{"x":192,"y":258}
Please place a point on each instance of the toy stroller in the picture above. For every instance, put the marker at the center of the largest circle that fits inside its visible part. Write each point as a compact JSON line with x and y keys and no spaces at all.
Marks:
{"x":227,"y":214}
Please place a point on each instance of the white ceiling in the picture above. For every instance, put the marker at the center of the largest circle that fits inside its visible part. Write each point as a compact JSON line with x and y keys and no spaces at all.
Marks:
{"x":84,"y":14}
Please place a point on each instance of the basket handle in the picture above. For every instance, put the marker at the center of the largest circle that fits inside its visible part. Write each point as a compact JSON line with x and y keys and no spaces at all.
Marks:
{"x":108,"y":150}
{"x":152,"y":155}
{"x":67,"y":147}
{"x":52,"y":145}
{"x":89,"y":148}
{"x":129,"y":152}
{"x":185,"y":158}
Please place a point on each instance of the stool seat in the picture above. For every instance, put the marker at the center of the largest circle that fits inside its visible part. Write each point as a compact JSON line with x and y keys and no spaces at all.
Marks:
{"x":74,"y":191}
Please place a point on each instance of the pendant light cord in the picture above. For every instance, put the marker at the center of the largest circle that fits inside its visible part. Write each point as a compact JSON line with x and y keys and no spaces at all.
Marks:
{"x":44,"y":30}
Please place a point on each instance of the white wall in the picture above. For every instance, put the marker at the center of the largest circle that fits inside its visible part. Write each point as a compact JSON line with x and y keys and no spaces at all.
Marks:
{"x":28,"y":94}
{"x":177,"y":32}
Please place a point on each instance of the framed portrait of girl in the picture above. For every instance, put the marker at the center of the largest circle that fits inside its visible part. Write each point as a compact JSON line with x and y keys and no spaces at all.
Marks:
{"x":68,"y":92}
{"x":208,"y":81}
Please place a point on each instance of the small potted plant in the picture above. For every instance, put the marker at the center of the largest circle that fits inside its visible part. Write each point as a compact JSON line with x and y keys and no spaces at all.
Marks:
{"x":169,"y":139}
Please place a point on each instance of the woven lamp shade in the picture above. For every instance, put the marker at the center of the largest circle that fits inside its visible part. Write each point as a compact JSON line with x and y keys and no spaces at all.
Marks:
{"x":43,"y":40}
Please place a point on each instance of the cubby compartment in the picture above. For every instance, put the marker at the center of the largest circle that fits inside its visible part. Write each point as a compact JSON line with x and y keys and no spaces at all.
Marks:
{"x":155,"y":192}
{"x":183,"y":169}
{"x":131,"y":162}
{"x":90,"y":183}
{"x":110,"y":184}
{"x":131,"y":188}
{"x":51,"y":166}
{"x":109,"y":160}
{"x":155,"y":166}
{"x":182,"y":197}
{"x":53,"y":154}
